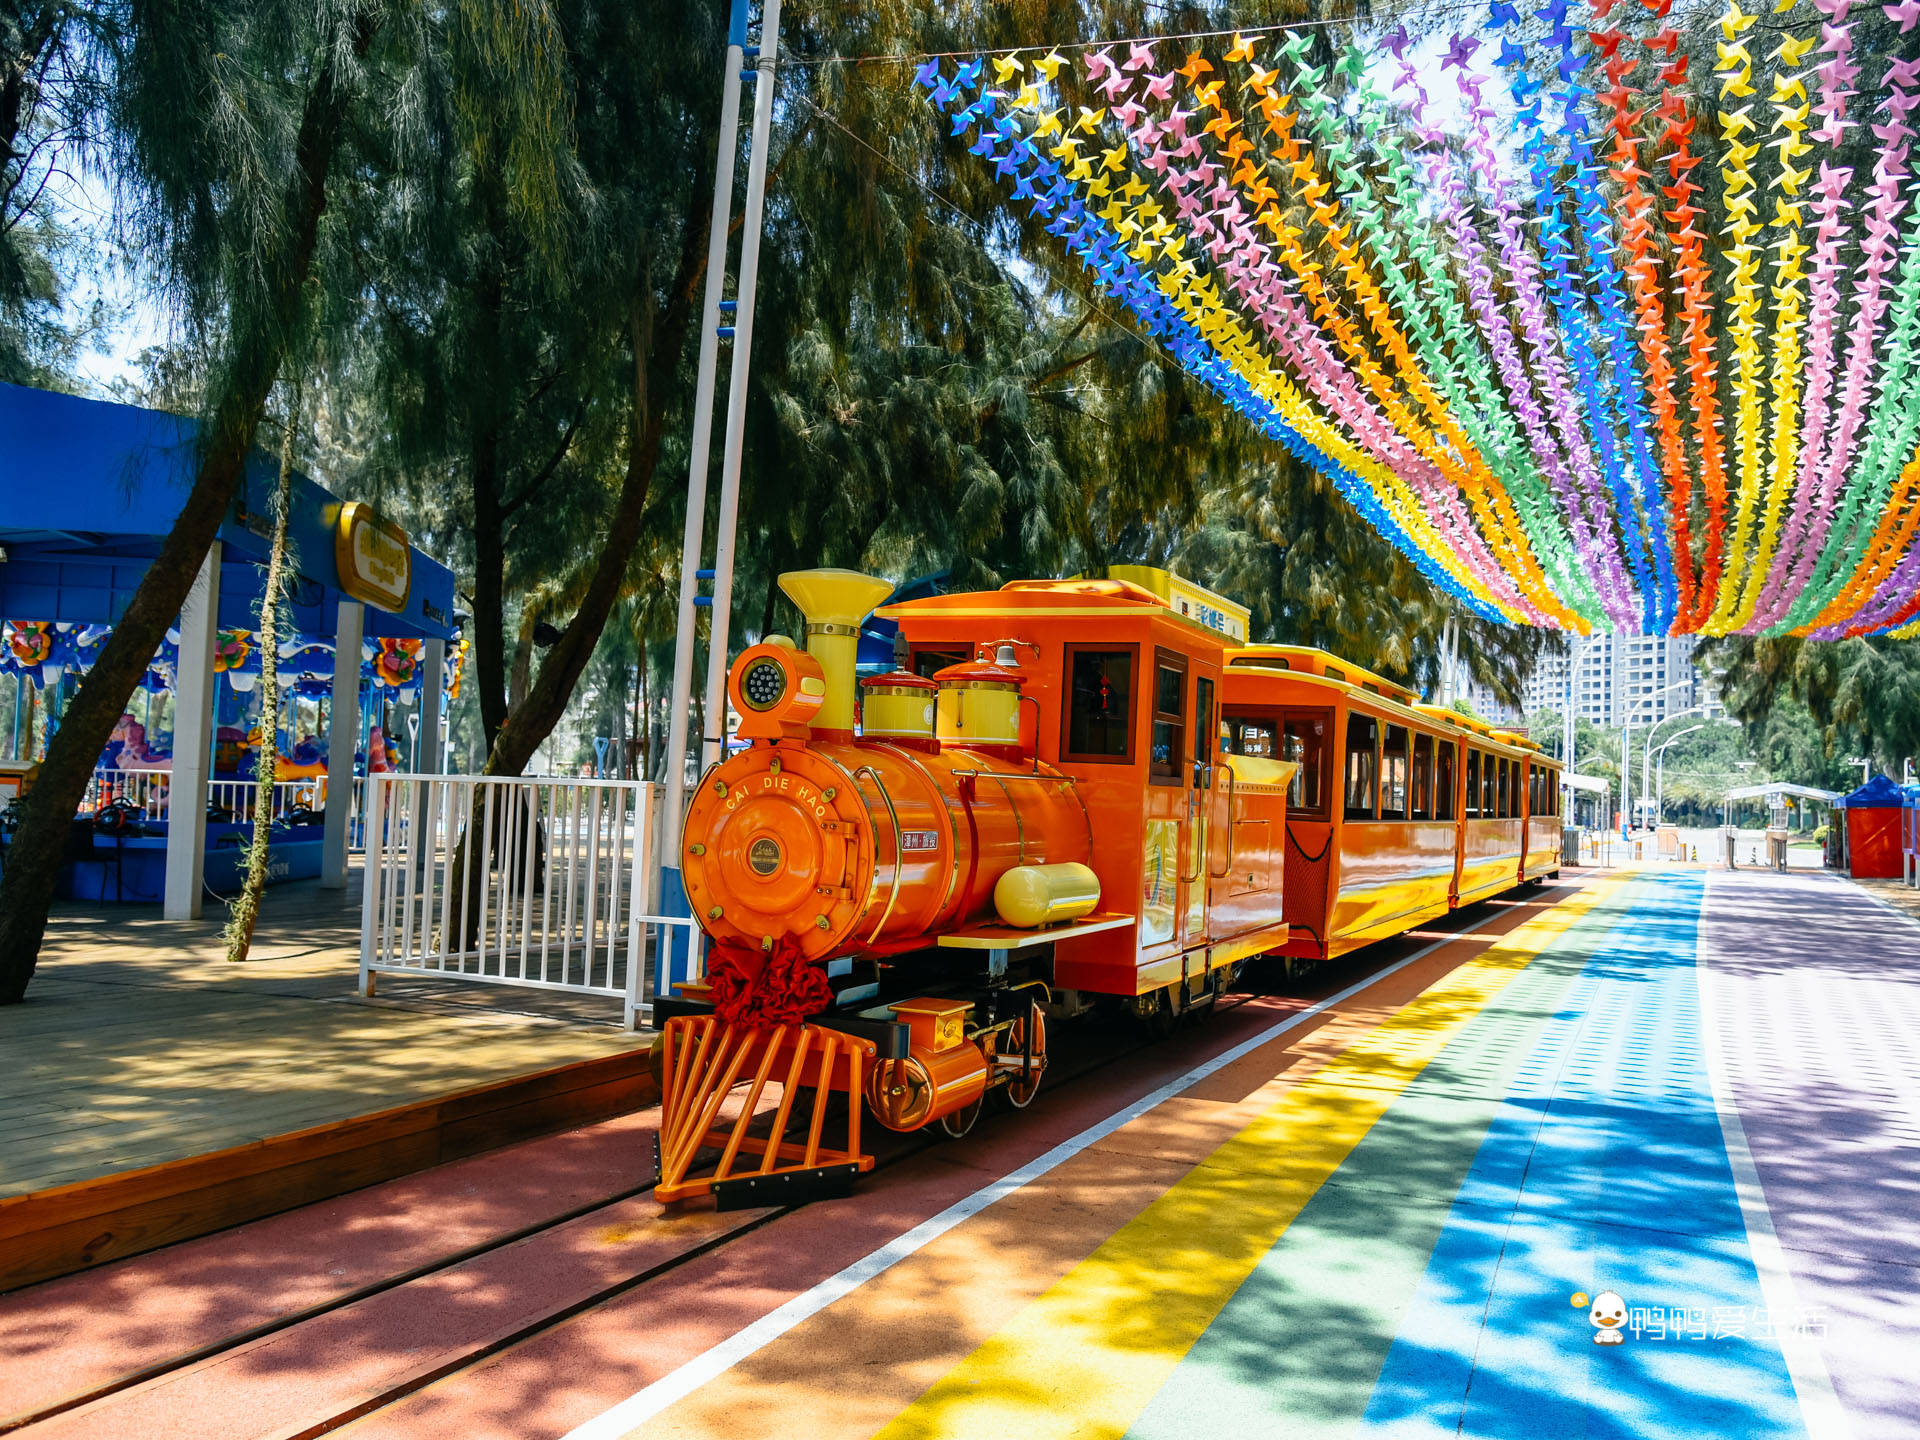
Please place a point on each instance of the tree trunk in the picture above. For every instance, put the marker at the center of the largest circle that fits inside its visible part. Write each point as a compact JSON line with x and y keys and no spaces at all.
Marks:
{"x":266,"y":760}
{"x":489,"y":590}
{"x":255,"y":352}
{"x":520,"y":677}
{"x":489,"y":515}
{"x":655,"y":358}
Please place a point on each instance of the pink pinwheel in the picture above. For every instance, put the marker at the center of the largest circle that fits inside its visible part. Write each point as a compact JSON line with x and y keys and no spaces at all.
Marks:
{"x":1098,"y":63}
{"x":1906,"y":12}
{"x":1141,"y":56}
{"x":1160,"y":87}
{"x":1129,"y":114}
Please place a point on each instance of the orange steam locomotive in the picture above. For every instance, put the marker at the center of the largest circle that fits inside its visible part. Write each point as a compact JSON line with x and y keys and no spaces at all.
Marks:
{"x":1072,"y":792}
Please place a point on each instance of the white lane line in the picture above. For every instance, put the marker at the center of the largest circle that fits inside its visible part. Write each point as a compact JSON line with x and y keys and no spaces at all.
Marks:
{"x":1820,"y":1408}
{"x":677,"y":1384}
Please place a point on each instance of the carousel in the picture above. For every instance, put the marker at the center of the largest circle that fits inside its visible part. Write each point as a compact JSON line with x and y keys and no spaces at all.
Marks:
{"x":368,"y":660}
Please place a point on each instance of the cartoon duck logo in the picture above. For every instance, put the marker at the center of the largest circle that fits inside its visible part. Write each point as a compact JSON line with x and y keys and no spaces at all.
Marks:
{"x":1607,"y":1316}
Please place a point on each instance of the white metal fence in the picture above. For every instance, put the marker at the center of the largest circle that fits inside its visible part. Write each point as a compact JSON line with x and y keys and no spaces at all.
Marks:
{"x":148,"y":790}
{"x":527,"y":881}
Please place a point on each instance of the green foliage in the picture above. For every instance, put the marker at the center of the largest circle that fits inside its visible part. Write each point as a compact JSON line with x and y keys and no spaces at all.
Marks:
{"x":1818,"y":705}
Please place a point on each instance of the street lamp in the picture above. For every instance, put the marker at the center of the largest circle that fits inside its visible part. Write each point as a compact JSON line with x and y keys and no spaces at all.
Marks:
{"x":1646,"y":760}
{"x":1660,"y":784}
{"x":1626,"y":750}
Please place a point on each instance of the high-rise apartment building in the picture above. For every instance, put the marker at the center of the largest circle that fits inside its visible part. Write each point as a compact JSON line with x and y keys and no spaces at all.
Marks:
{"x":1624,"y":679}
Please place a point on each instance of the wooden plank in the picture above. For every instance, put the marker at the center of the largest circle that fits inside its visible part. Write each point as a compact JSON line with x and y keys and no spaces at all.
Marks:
{"x":70,"y":1227}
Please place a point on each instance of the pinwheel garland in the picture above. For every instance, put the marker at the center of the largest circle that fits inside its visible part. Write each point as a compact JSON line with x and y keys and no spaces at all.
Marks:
{"x":1514,"y":349}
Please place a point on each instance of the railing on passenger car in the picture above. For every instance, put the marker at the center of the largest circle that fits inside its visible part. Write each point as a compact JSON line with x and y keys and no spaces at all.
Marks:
{"x":515,"y":880}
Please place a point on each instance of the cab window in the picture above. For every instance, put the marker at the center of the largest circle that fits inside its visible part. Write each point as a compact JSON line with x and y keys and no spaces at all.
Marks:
{"x":1473,"y":784}
{"x":1443,"y":781}
{"x":1167,"y":746}
{"x":928,"y":663}
{"x":1422,"y":777}
{"x":1363,"y":766}
{"x":1099,"y":705}
{"x":1203,"y":724}
{"x":1393,"y":774}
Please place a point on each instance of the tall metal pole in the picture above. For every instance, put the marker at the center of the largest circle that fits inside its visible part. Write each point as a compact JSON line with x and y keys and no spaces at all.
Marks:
{"x":713,"y":744}
{"x":701,"y":442}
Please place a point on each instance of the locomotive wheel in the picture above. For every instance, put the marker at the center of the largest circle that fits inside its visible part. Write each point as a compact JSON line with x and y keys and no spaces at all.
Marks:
{"x":1020,"y":1093}
{"x":956,"y":1125}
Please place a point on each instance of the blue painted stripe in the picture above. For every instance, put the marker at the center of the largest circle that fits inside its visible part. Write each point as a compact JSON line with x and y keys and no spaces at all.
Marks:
{"x":1605,"y":1169}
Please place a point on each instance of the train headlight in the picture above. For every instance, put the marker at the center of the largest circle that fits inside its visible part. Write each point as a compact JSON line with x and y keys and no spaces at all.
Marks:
{"x":763,"y":684}
{"x":777,"y":690}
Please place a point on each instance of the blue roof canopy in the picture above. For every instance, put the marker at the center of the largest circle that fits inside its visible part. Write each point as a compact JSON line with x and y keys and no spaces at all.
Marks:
{"x":89,"y":490}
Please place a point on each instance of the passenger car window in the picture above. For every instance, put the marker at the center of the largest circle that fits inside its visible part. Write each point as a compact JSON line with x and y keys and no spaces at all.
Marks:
{"x":1443,"y":782}
{"x":1363,"y":766}
{"x":1099,"y":705}
{"x":1473,"y":784}
{"x":1422,"y":777}
{"x":1305,"y":743}
{"x":1254,"y":735}
{"x":1504,"y":794}
{"x":1203,"y":726}
{"x":1393,"y":774}
{"x":1489,"y":787}
{"x":1166,"y":751}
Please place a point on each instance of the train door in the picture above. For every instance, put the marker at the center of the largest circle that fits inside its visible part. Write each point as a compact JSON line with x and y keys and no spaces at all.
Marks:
{"x":1210,"y":799}
{"x":1172,"y":857}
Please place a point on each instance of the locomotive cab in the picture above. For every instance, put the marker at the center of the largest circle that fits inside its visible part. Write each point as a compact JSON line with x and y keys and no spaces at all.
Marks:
{"x":1120,"y":699}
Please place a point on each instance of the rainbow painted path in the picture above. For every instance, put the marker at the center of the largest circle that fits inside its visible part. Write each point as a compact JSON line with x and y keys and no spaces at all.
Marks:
{"x":1373,"y":1218}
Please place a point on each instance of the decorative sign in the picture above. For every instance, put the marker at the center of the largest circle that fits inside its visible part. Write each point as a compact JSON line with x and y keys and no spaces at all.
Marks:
{"x":1195,"y":602}
{"x":375,"y":560}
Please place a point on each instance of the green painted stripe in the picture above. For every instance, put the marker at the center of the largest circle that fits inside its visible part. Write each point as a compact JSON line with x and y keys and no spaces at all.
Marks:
{"x":1299,"y":1347}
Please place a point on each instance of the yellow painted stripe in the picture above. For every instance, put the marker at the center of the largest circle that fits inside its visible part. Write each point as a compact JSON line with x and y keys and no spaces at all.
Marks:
{"x":1089,"y":1353}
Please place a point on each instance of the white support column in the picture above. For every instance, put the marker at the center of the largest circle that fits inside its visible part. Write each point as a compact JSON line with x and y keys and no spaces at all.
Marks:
{"x":713,"y":743}
{"x":701,"y":440}
{"x":343,"y":733}
{"x":432,"y":681}
{"x":192,"y":743}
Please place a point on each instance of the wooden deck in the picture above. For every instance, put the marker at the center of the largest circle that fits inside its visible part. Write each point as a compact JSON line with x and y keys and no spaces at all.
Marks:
{"x":139,"y":1044}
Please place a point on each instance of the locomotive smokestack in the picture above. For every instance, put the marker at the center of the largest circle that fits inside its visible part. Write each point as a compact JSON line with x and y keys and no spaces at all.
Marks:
{"x":834,"y":603}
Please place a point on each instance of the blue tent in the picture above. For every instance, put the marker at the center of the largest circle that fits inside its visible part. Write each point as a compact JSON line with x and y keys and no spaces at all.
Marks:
{"x":1879,"y":793}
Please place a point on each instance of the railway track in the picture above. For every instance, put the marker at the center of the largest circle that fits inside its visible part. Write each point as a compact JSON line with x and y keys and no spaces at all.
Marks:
{"x":575,"y":1260}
